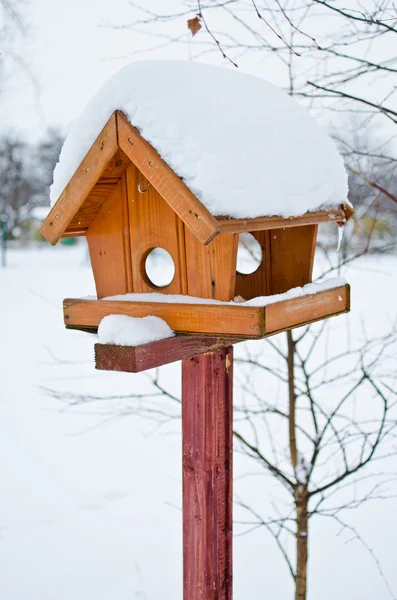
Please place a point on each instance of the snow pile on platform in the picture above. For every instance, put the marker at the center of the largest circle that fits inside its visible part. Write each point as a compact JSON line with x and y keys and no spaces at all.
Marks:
{"x":244,"y":147}
{"x":131,"y":331}
{"x":306,"y":290}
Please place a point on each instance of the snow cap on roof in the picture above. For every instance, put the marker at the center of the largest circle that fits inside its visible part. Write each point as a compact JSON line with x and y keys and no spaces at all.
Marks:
{"x":243,"y":147}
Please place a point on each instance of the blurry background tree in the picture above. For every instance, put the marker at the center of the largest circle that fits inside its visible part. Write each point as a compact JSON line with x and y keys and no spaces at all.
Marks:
{"x":12,"y":32}
{"x":25,"y":167}
{"x":25,"y":176}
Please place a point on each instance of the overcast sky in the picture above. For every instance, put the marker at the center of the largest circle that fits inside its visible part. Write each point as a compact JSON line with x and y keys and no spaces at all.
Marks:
{"x":71,"y":51}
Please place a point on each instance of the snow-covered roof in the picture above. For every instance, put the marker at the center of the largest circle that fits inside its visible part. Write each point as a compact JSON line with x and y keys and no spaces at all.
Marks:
{"x":242,"y":146}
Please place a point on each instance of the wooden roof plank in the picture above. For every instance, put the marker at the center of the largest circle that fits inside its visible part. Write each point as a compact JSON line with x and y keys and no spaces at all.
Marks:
{"x":339,"y":215}
{"x":83,"y":181}
{"x":192,"y":212}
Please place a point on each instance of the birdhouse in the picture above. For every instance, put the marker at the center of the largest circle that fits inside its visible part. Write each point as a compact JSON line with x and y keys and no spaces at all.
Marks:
{"x":197,"y":161}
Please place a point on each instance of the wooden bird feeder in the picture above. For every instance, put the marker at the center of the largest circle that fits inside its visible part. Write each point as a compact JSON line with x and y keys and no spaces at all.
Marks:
{"x":127,"y":202}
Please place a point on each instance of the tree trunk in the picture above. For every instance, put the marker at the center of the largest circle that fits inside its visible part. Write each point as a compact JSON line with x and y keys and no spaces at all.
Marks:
{"x":302,"y":521}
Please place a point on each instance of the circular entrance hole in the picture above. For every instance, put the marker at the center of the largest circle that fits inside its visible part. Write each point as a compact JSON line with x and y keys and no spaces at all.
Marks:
{"x":159,"y":267}
{"x":249,"y":254}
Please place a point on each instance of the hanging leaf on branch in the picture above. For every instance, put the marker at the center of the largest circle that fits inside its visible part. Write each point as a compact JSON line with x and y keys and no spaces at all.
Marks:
{"x":194,"y":25}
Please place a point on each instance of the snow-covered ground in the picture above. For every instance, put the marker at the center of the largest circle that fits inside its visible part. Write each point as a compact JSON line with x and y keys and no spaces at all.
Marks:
{"x":90,"y":497}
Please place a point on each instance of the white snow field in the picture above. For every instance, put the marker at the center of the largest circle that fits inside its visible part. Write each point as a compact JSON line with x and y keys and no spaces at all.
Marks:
{"x":90,"y":496}
{"x":243,"y":146}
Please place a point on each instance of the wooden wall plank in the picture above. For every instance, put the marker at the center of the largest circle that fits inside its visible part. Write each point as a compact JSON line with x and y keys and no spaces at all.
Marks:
{"x":82,"y":182}
{"x":153,"y":224}
{"x":292,"y":254}
{"x":197,"y":218}
{"x":211,"y":271}
{"x":258,"y":283}
{"x":108,"y":242}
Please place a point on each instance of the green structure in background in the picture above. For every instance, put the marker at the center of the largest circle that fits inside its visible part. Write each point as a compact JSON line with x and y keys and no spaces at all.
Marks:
{"x":4,"y":231}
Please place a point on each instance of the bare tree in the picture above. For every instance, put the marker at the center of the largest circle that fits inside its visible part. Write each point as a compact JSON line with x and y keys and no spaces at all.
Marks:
{"x":340,"y":60}
{"x":12,"y":28}
{"x":25,"y":174}
{"x":316,"y":411}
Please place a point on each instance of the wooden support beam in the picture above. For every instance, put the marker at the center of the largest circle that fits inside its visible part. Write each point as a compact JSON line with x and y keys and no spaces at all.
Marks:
{"x":216,"y":320}
{"x":207,"y":445}
{"x":134,"y":359}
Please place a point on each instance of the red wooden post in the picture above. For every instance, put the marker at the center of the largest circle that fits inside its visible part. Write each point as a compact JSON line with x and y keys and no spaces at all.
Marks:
{"x":207,"y":439}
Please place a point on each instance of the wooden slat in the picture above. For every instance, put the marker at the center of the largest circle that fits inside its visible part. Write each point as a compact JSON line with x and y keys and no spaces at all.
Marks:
{"x":92,"y":205}
{"x":263,"y":223}
{"x":82,"y":182}
{"x":167,"y":183}
{"x":292,"y":255}
{"x":108,"y":242}
{"x":69,"y":233}
{"x":134,"y":359}
{"x":101,"y":191}
{"x":207,"y":446}
{"x":183,"y":318}
{"x":306,"y":309}
{"x":258,"y":283}
{"x":211,"y":269}
{"x":216,"y":320}
{"x":153,"y":224}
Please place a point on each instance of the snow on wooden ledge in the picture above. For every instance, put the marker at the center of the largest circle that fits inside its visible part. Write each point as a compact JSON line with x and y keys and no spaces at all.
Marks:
{"x":254,"y":319}
{"x":308,"y":289}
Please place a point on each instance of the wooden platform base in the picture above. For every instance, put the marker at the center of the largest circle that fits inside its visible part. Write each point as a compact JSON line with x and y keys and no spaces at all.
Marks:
{"x":216,"y":320}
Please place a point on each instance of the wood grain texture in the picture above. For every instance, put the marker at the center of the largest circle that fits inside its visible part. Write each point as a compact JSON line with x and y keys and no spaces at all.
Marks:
{"x":207,"y":446}
{"x":292,"y":255}
{"x":258,"y":283}
{"x":216,"y":320}
{"x":211,"y":271}
{"x":196,"y":217}
{"x":82,"y":182}
{"x":100,"y":192}
{"x":153,"y":224}
{"x":228,"y":225}
{"x":207,"y":319}
{"x":306,"y":309}
{"x":108,"y":241}
{"x":128,"y":359}
{"x":287,"y":262}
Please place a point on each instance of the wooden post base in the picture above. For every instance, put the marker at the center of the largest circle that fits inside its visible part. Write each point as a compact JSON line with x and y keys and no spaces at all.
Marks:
{"x":207,"y":439}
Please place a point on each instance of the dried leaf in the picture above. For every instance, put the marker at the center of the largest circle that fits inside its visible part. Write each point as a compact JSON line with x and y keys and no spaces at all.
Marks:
{"x":194,"y":25}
